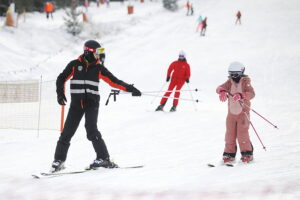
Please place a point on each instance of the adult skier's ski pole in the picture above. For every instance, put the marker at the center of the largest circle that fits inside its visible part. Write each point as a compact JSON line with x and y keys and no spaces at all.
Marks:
{"x":194,"y":90}
{"x":255,"y":132}
{"x":112,"y":93}
{"x":192,"y":96}
{"x":172,"y":97}
{"x":158,"y":92}
{"x":243,"y":104}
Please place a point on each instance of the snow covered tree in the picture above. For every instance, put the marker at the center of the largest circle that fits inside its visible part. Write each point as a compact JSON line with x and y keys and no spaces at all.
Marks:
{"x":170,"y":4}
{"x":71,"y":20}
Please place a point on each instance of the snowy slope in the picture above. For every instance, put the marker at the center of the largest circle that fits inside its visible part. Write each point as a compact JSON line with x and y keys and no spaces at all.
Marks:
{"x":174,"y":147}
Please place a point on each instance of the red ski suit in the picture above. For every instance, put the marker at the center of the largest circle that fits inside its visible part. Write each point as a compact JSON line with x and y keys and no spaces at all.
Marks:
{"x":179,"y":71}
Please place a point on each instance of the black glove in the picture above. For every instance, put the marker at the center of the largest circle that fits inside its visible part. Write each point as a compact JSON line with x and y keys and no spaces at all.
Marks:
{"x":187,"y":80}
{"x":61,"y":99}
{"x":133,"y":90}
{"x":168,"y":78}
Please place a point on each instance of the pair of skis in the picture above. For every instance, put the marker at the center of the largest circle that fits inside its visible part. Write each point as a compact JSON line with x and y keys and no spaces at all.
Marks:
{"x":228,"y":164}
{"x":62,"y":173}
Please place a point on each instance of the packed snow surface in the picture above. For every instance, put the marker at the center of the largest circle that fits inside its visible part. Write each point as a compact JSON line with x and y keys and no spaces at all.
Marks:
{"x":173,"y":147}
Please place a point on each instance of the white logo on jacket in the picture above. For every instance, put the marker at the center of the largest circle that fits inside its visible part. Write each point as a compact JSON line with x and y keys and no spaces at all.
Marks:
{"x":80,"y":68}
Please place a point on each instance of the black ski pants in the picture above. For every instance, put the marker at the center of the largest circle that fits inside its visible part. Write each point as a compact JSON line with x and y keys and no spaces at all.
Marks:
{"x":89,"y":109}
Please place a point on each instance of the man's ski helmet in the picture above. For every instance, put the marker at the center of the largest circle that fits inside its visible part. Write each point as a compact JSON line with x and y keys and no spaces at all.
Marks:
{"x":182,"y":55}
{"x":91,"y":45}
{"x":236,"y":69}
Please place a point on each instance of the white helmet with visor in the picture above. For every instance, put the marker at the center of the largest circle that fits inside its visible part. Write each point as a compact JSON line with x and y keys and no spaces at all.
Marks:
{"x":236,"y":69}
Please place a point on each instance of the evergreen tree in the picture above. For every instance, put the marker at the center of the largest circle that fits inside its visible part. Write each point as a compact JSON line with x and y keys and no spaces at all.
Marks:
{"x":170,"y":5}
{"x":71,"y":20}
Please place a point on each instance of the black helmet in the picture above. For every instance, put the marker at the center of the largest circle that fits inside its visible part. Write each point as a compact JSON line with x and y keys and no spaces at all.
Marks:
{"x":91,"y":45}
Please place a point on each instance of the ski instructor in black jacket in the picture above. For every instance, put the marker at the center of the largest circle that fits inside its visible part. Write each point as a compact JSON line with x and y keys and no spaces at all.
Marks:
{"x":86,"y":71}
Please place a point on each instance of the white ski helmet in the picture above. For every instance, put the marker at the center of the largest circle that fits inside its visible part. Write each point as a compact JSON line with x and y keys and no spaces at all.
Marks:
{"x":236,"y":69}
{"x":182,"y":55}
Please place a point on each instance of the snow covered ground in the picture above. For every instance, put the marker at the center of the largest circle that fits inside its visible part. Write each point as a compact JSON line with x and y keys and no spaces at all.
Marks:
{"x":174,"y":147}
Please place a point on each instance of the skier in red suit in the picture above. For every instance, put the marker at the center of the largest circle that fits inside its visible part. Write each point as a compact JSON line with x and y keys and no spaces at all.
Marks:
{"x":179,"y":73}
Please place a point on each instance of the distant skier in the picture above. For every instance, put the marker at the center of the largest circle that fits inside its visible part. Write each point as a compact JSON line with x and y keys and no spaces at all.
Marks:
{"x":199,"y":25}
{"x":179,"y":73}
{"x":188,"y":7}
{"x":238,"y":90}
{"x":86,"y":4}
{"x":107,"y":3}
{"x":86,"y":71}
{"x":192,"y":9}
{"x":203,"y":28}
{"x":49,"y":8}
{"x":238,"y":18}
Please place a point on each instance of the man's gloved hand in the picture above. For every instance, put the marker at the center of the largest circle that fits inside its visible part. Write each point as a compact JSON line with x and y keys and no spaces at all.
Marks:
{"x":187,"y":80}
{"x":168,"y":78}
{"x":133,"y":90}
{"x":61,"y":99}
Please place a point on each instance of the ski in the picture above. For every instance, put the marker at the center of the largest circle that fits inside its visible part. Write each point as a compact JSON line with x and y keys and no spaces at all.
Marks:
{"x":57,"y":174}
{"x":223,"y":164}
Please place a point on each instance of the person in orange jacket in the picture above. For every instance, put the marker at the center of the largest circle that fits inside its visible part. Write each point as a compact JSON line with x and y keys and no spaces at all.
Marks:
{"x":49,"y":8}
{"x":238,"y":18}
{"x":179,"y":73}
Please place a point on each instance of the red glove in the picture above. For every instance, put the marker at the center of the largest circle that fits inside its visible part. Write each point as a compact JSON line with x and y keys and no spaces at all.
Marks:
{"x":238,"y":96}
{"x":223,"y":96}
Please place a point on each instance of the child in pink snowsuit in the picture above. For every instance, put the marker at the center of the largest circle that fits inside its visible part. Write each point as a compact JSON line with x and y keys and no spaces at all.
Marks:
{"x":238,"y":90}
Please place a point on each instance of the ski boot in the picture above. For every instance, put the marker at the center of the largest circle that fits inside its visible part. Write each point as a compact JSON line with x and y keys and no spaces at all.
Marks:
{"x":228,"y":159}
{"x":57,"y":165}
{"x":160,"y":108}
{"x":173,"y":109}
{"x":106,"y":163}
{"x":246,"y":158}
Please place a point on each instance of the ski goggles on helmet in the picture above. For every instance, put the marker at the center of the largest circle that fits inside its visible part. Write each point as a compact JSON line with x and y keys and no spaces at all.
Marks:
{"x":97,"y":51}
{"x":235,"y":74}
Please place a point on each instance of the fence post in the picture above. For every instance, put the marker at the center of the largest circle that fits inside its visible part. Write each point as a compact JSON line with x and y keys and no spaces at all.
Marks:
{"x":40,"y":103}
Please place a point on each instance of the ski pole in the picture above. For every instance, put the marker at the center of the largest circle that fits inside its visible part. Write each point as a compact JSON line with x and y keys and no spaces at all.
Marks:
{"x":192,"y":96}
{"x":260,"y":115}
{"x":255,"y":132}
{"x":172,"y":97}
{"x":196,"y":90}
{"x":112,"y":93}
{"x":158,"y":92}
{"x":243,"y":104}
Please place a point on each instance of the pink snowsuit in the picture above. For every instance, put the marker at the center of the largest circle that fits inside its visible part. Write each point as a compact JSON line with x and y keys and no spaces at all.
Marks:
{"x":237,"y":123}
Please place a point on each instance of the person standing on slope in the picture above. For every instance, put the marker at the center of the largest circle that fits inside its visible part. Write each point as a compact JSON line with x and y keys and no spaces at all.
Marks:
{"x":86,"y":71}
{"x":179,"y":73}
{"x":238,"y":18}
{"x":203,"y":28}
{"x":238,"y":90}
{"x":199,"y":25}
{"x":49,"y":8}
{"x":188,"y":7}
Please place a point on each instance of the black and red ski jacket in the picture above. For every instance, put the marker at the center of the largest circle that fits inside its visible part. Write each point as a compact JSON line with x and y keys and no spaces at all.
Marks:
{"x":84,"y":83}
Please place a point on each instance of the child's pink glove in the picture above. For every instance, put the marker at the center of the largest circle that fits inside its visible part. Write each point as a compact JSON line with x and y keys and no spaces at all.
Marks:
{"x":223,"y":96}
{"x":238,"y":96}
